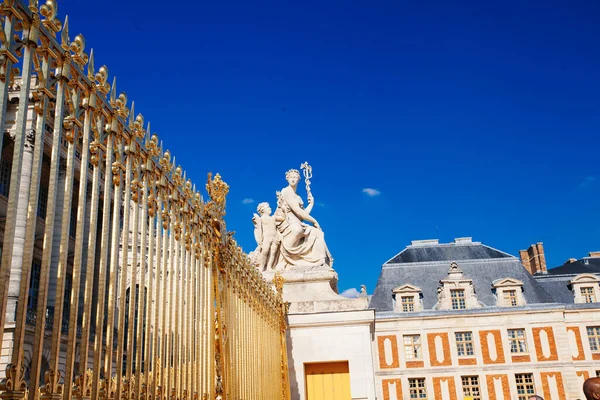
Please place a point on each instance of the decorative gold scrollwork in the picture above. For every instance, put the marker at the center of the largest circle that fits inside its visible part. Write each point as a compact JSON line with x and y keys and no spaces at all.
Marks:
{"x":14,"y":381}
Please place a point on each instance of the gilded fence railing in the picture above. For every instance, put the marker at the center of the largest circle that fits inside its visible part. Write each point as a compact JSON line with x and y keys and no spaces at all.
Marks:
{"x":127,"y":285}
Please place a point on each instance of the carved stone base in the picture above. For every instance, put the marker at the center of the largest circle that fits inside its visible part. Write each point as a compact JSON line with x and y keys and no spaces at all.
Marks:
{"x":315,"y":290}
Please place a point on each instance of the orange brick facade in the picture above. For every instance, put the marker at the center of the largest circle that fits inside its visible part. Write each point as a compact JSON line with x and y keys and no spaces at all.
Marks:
{"x":518,"y":359}
{"x":546,"y":385}
{"x":538,"y":344}
{"x":491,"y":388}
{"x":381,"y":351}
{"x":415,"y":364}
{"x":580,"y":354}
{"x":433,"y":358}
{"x":467,"y":361}
{"x":496,"y":372}
{"x":584,"y":374}
{"x":437,"y":387}
{"x":387,"y":386}
{"x":485,"y":346}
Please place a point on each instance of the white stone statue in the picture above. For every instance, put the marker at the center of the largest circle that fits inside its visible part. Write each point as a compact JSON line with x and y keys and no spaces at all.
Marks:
{"x":296,"y":244}
{"x":265,"y":233}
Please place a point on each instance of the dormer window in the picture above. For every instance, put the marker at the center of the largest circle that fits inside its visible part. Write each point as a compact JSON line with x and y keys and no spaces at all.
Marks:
{"x":458,"y":299}
{"x":586,"y":288}
{"x":509,"y":292}
{"x":588,"y":294}
{"x":408,"y":303}
{"x":407,"y":298}
{"x":510,"y":298}
{"x":456,"y":292}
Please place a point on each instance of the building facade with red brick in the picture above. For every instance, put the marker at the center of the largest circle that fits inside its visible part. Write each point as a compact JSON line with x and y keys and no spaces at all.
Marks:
{"x":464,"y":319}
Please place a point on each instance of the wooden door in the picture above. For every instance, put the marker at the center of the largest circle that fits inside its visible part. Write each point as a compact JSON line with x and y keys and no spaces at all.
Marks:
{"x":327,"y":381}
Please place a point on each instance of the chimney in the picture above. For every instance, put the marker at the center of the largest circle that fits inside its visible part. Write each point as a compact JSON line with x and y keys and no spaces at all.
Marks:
{"x":533,"y":259}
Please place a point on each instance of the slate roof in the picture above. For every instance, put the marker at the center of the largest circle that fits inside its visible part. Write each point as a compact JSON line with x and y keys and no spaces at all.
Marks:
{"x":417,"y":265}
{"x":587,"y":265}
{"x":557,"y":287}
{"x":446,"y":252}
{"x":556,"y":281}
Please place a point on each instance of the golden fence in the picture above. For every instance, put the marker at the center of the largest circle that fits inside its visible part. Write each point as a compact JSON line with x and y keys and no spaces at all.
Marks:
{"x":170,"y":306}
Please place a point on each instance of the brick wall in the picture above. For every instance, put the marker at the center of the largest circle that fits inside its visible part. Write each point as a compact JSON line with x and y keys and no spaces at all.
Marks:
{"x":387,"y":386}
{"x":537,"y":340}
{"x":580,"y":353}
{"x":437,"y":387}
{"x":485,"y":347}
{"x":382,"y":354}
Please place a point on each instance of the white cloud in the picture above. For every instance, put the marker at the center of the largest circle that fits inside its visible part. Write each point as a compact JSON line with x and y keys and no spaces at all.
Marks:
{"x":247,"y":201}
{"x":351,"y":293}
{"x":371,"y":192}
{"x":587,"y":181}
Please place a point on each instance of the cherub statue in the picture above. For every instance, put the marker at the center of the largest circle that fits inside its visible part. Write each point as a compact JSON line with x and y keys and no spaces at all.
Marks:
{"x":265,"y":233}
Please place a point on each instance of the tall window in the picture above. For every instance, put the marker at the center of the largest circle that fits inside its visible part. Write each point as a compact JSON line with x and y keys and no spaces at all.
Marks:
{"x":588,"y":294}
{"x":510,"y":297}
{"x":525,"y":387}
{"x":5,"y":169}
{"x":42,"y":202}
{"x":412,"y":347}
{"x":594,"y":337}
{"x":417,"y":389}
{"x":34,"y":285}
{"x":458,"y":299}
{"x":464,"y":343}
{"x":518,"y":342}
{"x":408,"y":303}
{"x":470,"y":386}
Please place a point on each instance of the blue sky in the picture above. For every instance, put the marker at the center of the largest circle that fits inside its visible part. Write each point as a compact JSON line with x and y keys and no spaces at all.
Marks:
{"x":469,"y":119}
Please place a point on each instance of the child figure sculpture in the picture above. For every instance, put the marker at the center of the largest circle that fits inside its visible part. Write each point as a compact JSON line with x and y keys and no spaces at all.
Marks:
{"x":265,"y":233}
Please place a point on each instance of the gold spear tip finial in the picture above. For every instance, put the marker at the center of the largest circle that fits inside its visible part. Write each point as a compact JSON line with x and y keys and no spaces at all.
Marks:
{"x":64,"y":36}
{"x":113,"y":92}
{"x":131,"y":114}
{"x":278,"y":281}
{"x":90,"y":69}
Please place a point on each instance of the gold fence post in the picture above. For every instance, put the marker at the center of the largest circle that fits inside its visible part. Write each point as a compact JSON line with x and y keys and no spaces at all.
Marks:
{"x":283,"y":307}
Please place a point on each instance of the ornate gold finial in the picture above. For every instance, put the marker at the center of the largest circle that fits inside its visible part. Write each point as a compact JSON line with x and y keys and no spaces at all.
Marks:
{"x":217,"y":190}
{"x":101,"y":78}
{"x":278,"y":281}
{"x":165,"y":162}
{"x":14,"y":381}
{"x":121,"y":103}
{"x":78,"y":47}
{"x":152,"y":144}
{"x":49,"y":10}
{"x":52,"y":386}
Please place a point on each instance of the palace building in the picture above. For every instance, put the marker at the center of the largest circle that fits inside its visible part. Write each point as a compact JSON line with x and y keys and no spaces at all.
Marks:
{"x":458,"y":320}
{"x":464,"y":319}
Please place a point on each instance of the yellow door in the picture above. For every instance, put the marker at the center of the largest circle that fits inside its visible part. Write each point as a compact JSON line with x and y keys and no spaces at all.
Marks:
{"x":327,"y":381}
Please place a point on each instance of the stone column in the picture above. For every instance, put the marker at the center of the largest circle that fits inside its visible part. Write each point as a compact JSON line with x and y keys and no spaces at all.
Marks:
{"x":21,"y":221}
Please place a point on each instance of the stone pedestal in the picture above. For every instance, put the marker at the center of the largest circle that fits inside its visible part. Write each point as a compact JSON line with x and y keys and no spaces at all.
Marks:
{"x":315,"y":290}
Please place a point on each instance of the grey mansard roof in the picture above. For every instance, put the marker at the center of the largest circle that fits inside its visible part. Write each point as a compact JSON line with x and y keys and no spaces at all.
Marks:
{"x":556,"y":281}
{"x":425,"y":263}
{"x":587,"y":265}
